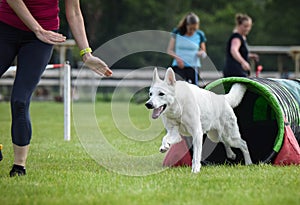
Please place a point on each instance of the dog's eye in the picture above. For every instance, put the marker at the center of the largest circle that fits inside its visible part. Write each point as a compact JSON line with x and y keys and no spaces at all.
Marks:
{"x":150,"y":94}
{"x":161,"y":94}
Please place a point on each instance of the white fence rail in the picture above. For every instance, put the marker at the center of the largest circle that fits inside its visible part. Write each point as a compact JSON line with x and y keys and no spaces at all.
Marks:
{"x":139,"y":78}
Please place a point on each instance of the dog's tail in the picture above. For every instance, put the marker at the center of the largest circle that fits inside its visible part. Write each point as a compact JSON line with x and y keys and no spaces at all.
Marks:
{"x":236,"y":94}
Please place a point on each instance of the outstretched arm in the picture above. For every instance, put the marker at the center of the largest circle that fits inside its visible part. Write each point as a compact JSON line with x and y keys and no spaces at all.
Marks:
{"x":76,"y":23}
{"x":50,"y":37}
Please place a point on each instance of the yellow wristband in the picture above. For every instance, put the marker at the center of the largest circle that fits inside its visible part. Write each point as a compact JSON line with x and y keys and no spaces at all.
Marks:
{"x":85,"y":51}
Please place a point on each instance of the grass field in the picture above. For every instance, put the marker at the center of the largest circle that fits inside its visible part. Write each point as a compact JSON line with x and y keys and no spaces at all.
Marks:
{"x":60,"y":172}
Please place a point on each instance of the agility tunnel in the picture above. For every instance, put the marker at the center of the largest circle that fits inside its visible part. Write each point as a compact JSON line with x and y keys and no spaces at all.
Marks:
{"x":268,"y":118}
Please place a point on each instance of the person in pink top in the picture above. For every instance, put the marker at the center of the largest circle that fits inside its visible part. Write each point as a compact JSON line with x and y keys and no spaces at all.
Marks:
{"x":29,"y":29}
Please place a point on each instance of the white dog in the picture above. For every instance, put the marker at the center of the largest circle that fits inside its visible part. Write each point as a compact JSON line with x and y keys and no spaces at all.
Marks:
{"x":188,"y":110}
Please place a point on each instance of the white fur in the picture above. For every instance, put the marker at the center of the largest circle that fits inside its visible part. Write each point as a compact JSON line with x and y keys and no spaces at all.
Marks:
{"x":235,"y":95}
{"x":192,"y":111}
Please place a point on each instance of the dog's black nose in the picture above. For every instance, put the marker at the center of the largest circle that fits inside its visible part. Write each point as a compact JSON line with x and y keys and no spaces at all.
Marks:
{"x":149,"y":105}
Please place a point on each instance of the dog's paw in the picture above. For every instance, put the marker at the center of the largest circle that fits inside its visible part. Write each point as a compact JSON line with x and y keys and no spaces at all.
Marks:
{"x":248,"y":163}
{"x":196,"y":168}
{"x":232,"y":156}
{"x":163,"y":149}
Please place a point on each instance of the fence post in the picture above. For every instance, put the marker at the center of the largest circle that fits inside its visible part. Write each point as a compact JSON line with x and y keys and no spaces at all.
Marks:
{"x":67,"y":101}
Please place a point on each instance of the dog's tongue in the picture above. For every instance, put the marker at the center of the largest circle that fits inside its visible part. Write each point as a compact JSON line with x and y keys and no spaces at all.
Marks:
{"x":156,"y":112}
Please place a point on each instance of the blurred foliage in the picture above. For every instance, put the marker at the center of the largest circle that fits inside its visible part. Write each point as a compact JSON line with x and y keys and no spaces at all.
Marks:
{"x":276,"y":22}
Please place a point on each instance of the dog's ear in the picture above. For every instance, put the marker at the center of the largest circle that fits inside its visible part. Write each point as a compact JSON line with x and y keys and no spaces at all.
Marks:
{"x":170,"y":77}
{"x":155,"y":76}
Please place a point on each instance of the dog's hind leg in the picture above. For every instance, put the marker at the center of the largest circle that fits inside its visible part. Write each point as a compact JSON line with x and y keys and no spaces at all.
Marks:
{"x":242,"y":145}
{"x":231,"y":137}
{"x":213,"y":135}
{"x":245,"y":151}
{"x":230,"y":154}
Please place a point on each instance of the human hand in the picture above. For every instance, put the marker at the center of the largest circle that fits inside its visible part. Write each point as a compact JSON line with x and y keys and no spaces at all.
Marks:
{"x":254,"y":56}
{"x":202,"y":54}
{"x":180,"y":63}
{"x":50,"y":37}
{"x":246,"y":66}
{"x":97,"y":65}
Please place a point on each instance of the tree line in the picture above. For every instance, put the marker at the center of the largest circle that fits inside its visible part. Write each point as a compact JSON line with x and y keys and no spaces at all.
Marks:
{"x":276,"y":22}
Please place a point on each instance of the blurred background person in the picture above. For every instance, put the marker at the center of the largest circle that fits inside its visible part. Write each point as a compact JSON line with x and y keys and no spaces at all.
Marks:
{"x":237,"y":54}
{"x":186,"y":46}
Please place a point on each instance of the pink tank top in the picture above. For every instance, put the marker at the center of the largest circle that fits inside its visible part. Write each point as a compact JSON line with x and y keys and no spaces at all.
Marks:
{"x":45,"y":12}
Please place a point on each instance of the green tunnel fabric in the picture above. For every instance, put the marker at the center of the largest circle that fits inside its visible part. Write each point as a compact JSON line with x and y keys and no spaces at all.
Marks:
{"x":293,"y":106}
{"x":267,"y":103}
{"x":268,"y":107}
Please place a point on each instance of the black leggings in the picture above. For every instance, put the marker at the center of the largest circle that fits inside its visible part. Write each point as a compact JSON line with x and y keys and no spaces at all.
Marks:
{"x":33,"y":56}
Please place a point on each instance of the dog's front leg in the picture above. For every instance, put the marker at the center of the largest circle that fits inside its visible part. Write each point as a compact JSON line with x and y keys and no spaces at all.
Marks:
{"x":164,"y":144}
{"x":197,"y":145}
{"x":172,"y":137}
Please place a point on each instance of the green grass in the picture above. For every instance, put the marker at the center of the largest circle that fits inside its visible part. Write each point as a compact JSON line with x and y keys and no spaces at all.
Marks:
{"x":62,"y":172}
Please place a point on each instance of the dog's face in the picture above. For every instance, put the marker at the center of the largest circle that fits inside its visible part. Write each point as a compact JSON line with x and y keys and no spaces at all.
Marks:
{"x":161,"y":93}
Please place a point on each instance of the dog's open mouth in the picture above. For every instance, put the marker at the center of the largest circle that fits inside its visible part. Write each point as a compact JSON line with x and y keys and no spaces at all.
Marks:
{"x":157,"y":111}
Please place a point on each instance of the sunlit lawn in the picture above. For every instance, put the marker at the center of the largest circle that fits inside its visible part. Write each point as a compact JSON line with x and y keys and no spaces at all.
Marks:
{"x":61,"y":172}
